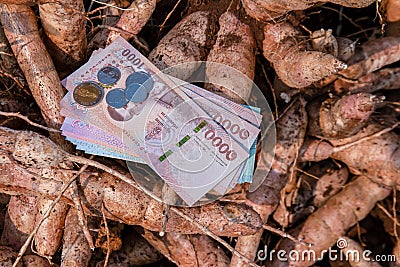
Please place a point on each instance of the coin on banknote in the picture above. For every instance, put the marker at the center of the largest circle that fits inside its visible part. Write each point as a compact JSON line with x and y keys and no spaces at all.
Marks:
{"x":136,"y":93}
{"x":109,"y":75}
{"x":116,"y":98}
{"x":140,"y":77}
{"x":88,"y":94}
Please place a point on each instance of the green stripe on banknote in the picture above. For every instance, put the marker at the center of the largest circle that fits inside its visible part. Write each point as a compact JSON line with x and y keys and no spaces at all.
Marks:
{"x":201,"y":125}
{"x":183,"y":140}
{"x":166,"y":154}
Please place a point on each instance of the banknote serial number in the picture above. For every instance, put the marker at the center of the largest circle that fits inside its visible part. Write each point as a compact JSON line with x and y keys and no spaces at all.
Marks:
{"x":222,"y":147}
{"x":233,"y":128}
{"x":132,"y":57}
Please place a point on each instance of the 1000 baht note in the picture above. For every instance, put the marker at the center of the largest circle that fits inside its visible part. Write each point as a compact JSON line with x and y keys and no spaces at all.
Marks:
{"x":166,"y":129}
{"x":239,"y":128}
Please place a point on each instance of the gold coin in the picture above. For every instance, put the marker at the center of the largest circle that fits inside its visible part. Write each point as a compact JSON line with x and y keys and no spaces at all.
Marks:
{"x":88,"y":94}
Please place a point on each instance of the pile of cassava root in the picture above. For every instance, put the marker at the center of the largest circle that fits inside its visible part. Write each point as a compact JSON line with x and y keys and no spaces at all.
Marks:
{"x":330,"y":70}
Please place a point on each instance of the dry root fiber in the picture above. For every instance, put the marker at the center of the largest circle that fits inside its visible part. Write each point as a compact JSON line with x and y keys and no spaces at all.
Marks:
{"x":295,"y":66}
{"x":317,"y":185}
{"x":9,"y":64}
{"x":129,"y":24}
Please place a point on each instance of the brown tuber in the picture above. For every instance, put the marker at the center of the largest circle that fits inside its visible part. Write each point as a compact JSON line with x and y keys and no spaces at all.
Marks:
{"x":234,"y":47}
{"x":267,"y":10}
{"x":36,"y":261}
{"x":372,"y":151}
{"x":76,"y":250}
{"x":34,"y":60}
{"x":384,"y":79}
{"x":354,"y":248}
{"x":295,"y":66}
{"x":24,"y":2}
{"x":63,"y":23}
{"x":372,"y":56}
{"x":49,"y":237}
{"x":343,"y":117}
{"x":19,"y":221}
{"x":342,"y":129}
{"x":183,"y":45}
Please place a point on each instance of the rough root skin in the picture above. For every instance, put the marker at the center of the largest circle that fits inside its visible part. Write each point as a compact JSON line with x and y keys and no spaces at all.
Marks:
{"x":295,"y":66}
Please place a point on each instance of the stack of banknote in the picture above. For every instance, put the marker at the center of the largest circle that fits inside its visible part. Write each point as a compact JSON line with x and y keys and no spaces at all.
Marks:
{"x":119,"y":105}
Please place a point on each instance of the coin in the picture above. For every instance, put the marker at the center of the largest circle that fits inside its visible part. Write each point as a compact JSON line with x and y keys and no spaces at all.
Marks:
{"x":141,"y":77}
{"x":88,"y":94}
{"x":116,"y":98}
{"x":109,"y":75}
{"x":136,"y":93}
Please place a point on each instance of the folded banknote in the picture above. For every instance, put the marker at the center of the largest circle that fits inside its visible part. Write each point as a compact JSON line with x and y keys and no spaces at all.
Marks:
{"x":130,"y":110}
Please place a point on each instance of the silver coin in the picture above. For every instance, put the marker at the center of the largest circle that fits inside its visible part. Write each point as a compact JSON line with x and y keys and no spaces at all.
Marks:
{"x":109,"y":75}
{"x":116,"y":98}
{"x":141,"y":77}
